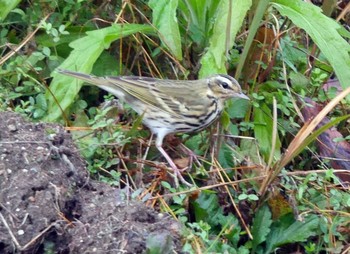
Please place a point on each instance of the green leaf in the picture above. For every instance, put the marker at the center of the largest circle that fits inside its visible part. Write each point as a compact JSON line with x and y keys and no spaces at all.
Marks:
{"x":85,"y":53}
{"x":259,"y":13}
{"x":6,"y":6}
{"x":237,"y":108}
{"x":166,"y":185}
{"x":199,"y":19}
{"x":72,"y":33}
{"x":288,"y":230}
{"x":107,"y":64}
{"x":324,"y":31}
{"x":249,"y":149}
{"x":206,"y":206}
{"x":194,"y":143}
{"x":223,"y":36}
{"x":225,"y":120}
{"x":159,"y":243}
{"x":40,"y":99}
{"x":164,"y":18}
{"x":298,"y":80}
{"x":208,"y":210}
{"x":226,"y":156}
{"x":263,"y":131}
{"x":261,"y":226}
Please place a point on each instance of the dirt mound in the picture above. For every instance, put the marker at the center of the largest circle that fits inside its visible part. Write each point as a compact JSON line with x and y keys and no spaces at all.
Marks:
{"x":49,"y":205}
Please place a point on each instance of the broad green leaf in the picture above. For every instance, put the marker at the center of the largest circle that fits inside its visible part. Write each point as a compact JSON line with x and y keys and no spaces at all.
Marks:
{"x":324,"y":31}
{"x":199,"y":18}
{"x":207,"y":209}
{"x":226,"y":156}
{"x":75,"y":32}
{"x":343,"y":32}
{"x":107,"y":64}
{"x":194,"y":143}
{"x":164,"y":18}
{"x":263,"y":131}
{"x":261,"y":226}
{"x":206,"y":205}
{"x":6,"y":6}
{"x":223,"y":35}
{"x":292,"y":55}
{"x":249,"y":149}
{"x":85,"y":53}
{"x":237,"y":108}
{"x":288,"y":230}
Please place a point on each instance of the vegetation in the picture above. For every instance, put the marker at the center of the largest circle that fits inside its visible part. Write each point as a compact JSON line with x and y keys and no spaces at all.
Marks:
{"x":264,"y":180}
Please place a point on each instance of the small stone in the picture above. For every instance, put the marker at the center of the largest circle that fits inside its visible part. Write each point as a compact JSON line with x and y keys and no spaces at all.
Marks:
{"x":12,"y":127}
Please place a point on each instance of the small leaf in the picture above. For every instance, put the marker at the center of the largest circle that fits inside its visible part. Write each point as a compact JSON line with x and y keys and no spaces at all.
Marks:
{"x":166,"y":185}
{"x":253,"y":197}
{"x":242,"y":196}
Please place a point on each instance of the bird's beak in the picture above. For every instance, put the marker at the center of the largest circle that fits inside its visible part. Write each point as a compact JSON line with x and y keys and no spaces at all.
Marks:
{"x":243,"y":96}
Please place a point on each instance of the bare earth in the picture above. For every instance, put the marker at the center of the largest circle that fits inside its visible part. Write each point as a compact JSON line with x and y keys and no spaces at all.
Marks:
{"x":48,"y":204}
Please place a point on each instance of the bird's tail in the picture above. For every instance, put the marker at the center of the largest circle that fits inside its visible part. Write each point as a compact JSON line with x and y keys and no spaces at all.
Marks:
{"x":102,"y":82}
{"x":98,"y":81}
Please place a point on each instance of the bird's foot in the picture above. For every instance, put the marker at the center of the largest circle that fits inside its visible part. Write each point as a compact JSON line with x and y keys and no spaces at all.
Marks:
{"x":178,"y":176}
{"x":192,"y":156}
{"x":177,"y":172}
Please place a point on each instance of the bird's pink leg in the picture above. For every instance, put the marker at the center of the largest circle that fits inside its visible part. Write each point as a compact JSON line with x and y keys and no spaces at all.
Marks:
{"x":174,"y":167}
{"x":191,"y":154}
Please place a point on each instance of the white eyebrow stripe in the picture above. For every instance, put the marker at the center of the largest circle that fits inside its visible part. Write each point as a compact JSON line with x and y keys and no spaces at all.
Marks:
{"x":223,"y":79}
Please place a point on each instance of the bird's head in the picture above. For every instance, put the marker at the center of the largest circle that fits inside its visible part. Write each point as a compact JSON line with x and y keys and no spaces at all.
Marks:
{"x":225,"y":87}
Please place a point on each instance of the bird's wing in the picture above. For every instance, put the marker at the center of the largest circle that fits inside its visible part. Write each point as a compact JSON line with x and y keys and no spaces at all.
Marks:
{"x":170,"y":96}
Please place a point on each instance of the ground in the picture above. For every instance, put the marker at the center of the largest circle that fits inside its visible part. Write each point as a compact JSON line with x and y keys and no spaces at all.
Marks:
{"x":48,"y":203}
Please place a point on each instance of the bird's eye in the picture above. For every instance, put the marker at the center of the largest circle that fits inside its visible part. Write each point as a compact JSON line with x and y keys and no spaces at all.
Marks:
{"x":224,"y":85}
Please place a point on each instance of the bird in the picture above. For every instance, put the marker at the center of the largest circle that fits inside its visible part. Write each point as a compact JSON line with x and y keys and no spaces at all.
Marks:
{"x":170,"y":106}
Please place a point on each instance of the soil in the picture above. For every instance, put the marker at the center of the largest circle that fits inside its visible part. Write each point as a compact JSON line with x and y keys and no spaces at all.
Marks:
{"x":48,"y":204}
